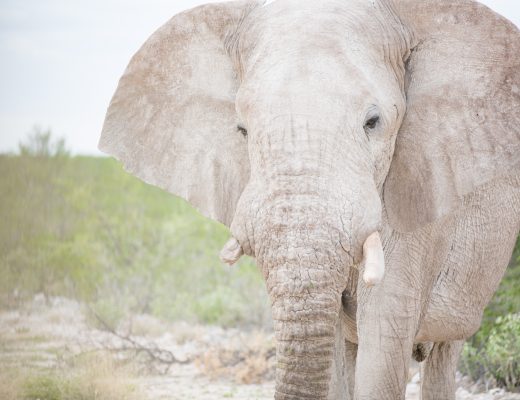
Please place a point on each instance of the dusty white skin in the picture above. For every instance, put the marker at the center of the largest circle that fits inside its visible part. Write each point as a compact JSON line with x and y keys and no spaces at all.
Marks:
{"x":369,"y":124}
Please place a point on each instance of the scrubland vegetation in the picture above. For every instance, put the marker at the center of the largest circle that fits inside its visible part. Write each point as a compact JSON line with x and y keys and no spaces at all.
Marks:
{"x":90,"y":378}
{"x":80,"y":227}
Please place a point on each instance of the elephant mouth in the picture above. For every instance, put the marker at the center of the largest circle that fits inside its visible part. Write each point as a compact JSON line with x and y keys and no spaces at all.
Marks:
{"x":305,"y":285}
{"x":373,"y":257}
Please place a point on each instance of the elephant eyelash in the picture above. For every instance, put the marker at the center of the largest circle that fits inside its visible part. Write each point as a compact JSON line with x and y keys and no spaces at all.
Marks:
{"x":242,"y":130}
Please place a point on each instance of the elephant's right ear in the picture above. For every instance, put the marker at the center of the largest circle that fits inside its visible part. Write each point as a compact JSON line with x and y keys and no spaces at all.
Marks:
{"x":172,"y":121}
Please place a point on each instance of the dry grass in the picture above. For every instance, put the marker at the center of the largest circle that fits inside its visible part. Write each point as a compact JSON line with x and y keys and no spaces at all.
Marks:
{"x":10,"y":384}
{"x":146,"y":325}
{"x":248,"y":359}
{"x":90,"y":377}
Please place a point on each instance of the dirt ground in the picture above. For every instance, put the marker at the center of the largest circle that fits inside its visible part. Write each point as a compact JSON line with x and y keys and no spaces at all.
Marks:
{"x":179,"y":361}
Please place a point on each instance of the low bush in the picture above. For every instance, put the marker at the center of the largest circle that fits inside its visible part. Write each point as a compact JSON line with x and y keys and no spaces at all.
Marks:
{"x":492,"y":355}
{"x":82,"y":228}
{"x":497,"y":361}
{"x":92,"y":377}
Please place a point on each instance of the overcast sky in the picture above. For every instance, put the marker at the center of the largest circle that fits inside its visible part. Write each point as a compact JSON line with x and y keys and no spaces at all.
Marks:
{"x":60,"y":61}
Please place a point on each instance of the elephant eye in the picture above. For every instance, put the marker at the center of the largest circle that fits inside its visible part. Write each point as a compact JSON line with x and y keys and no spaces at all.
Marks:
{"x":242,"y":130}
{"x":371,"y":123}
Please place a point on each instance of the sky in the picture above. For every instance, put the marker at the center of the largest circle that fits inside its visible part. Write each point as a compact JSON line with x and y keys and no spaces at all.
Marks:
{"x":60,"y":61}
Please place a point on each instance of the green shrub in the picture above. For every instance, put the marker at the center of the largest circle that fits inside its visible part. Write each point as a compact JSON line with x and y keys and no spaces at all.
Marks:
{"x":498,"y":358}
{"x":41,"y":144}
{"x":490,"y":354}
{"x":42,"y":388}
{"x":91,"y":377}
{"x":503,"y":350}
{"x":507,"y":298}
{"x":81,"y":227}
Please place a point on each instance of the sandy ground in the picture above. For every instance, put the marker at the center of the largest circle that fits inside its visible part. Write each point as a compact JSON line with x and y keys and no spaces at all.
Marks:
{"x":217,"y":363}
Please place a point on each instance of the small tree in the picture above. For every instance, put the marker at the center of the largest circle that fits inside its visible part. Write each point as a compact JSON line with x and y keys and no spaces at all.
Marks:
{"x":39,"y":143}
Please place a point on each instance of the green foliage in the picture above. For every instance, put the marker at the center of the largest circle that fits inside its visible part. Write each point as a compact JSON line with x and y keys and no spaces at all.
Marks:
{"x":42,"y":388}
{"x":91,"y":377}
{"x":507,"y":298}
{"x":498,"y":359}
{"x":81,"y":227}
{"x":503,"y":350}
{"x":40,"y":144}
{"x":493,"y":353}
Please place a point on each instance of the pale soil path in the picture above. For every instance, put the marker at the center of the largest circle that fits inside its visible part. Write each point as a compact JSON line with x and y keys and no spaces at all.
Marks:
{"x":42,"y":334}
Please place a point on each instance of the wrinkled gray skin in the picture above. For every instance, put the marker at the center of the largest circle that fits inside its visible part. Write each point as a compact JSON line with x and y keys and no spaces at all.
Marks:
{"x":436,"y":175}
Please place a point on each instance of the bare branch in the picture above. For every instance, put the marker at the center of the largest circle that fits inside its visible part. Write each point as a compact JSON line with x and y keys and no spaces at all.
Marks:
{"x":155,"y":354}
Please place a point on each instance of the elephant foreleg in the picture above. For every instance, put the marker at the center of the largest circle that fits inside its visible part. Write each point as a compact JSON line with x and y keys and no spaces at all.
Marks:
{"x":382,"y":366}
{"x":387,"y":319}
{"x":438,"y":371}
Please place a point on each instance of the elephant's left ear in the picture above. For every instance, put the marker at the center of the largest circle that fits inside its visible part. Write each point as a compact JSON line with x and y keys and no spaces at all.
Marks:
{"x":172,"y":121}
{"x":462,"y":124}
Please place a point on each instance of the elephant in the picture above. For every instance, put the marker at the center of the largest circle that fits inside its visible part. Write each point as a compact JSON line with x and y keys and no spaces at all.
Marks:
{"x":366,"y":153}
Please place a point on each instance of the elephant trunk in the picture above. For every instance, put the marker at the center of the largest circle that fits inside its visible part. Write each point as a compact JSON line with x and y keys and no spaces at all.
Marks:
{"x":305,"y":255}
{"x":306,"y":272}
{"x":305,"y":344}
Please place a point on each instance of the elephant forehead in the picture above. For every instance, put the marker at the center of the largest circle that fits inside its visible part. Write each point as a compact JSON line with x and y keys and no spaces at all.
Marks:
{"x":357,"y":24}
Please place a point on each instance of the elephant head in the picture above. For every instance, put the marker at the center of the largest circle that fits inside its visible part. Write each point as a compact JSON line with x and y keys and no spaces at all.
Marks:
{"x":309,"y":126}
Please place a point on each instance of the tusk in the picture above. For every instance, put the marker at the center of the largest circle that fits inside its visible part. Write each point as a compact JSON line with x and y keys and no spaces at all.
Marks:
{"x":231,"y":252}
{"x":374,"y":260}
